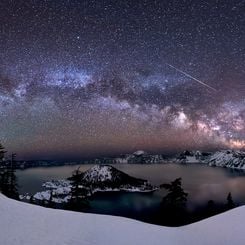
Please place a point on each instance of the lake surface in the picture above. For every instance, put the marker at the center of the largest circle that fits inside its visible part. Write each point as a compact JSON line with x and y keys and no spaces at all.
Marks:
{"x":200,"y":181}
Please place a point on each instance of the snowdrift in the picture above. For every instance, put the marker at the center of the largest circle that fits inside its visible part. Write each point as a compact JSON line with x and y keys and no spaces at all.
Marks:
{"x":23,"y":223}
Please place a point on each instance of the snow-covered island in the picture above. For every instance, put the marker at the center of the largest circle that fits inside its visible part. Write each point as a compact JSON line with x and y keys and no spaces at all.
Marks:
{"x":23,"y":223}
{"x":99,"y":178}
{"x":104,"y":177}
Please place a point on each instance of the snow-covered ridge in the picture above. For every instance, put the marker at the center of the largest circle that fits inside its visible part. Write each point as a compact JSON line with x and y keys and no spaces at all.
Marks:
{"x":54,"y":183}
{"x":139,"y":152}
{"x":228,"y":158}
{"x":32,"y":224}
{"x":224,"y":158}
{"x":138,"y":157}
{"x":192,"y":157}
{"x":98,"y":173}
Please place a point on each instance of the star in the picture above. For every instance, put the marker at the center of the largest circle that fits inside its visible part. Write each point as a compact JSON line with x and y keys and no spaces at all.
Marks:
{"x":85,"y":79}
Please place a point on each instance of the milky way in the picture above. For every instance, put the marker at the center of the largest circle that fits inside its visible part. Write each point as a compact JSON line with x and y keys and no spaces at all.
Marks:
{"x":89,"y":78}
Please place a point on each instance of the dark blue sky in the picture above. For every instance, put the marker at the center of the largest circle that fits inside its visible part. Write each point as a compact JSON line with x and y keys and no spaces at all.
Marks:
{"x":87,"y":78}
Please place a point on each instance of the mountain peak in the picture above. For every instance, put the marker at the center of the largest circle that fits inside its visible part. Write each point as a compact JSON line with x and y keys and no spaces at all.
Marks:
{"x":139,"y":153}
{"x":107,"y":177}
{"x":99,"y":172}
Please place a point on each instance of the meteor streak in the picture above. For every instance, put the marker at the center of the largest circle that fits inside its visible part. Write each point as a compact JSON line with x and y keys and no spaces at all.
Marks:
{"x":193,"y":78}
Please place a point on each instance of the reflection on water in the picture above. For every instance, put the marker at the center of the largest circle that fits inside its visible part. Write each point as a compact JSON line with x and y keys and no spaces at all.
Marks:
{"x":201,"y":182}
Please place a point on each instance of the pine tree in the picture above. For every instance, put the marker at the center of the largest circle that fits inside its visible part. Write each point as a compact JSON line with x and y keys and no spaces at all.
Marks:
{"x":8,"y":180}
{"x":13,"y":188}
{"x":2,"y":153}
{"x":3,"y":175}
{"x":32,"y":199}
{"x":176,"y":197}
{"x":211,"y":208}
{"x":173,"y":211}
{"x":78,"y":194}
{"x":51,"y":203}
{"x":4,"y":181}
{"x":230,"y":204}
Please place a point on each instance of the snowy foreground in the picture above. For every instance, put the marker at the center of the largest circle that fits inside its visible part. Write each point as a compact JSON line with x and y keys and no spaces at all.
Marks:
{"x":22,"y":223}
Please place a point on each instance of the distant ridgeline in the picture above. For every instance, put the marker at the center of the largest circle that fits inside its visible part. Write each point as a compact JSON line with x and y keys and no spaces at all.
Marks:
{"x":21,"y":164}
{"x":224,"y":158}
{"x":138,"y":157}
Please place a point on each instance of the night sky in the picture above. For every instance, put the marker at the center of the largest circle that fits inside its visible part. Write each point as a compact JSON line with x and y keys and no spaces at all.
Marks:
{"x":90,"y":78}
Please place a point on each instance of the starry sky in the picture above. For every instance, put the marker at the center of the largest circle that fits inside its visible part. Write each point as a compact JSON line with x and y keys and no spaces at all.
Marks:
{"x":90,"y":78}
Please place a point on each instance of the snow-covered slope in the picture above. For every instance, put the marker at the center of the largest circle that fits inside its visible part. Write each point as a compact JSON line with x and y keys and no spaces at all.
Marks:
{"x":228,"y":158}
{"x":139,"y":153}
{"x":223,"y":158}
{"x":192,"y":157}
{"x":27,"y":224}
{"x":100,"y":173}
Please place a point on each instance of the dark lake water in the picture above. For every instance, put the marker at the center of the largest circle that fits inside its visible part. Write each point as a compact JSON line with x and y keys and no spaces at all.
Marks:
{"x":201,"y":182}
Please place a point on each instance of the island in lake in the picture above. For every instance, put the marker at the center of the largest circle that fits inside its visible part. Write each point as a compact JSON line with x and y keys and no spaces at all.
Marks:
{"x":99,"y":178}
